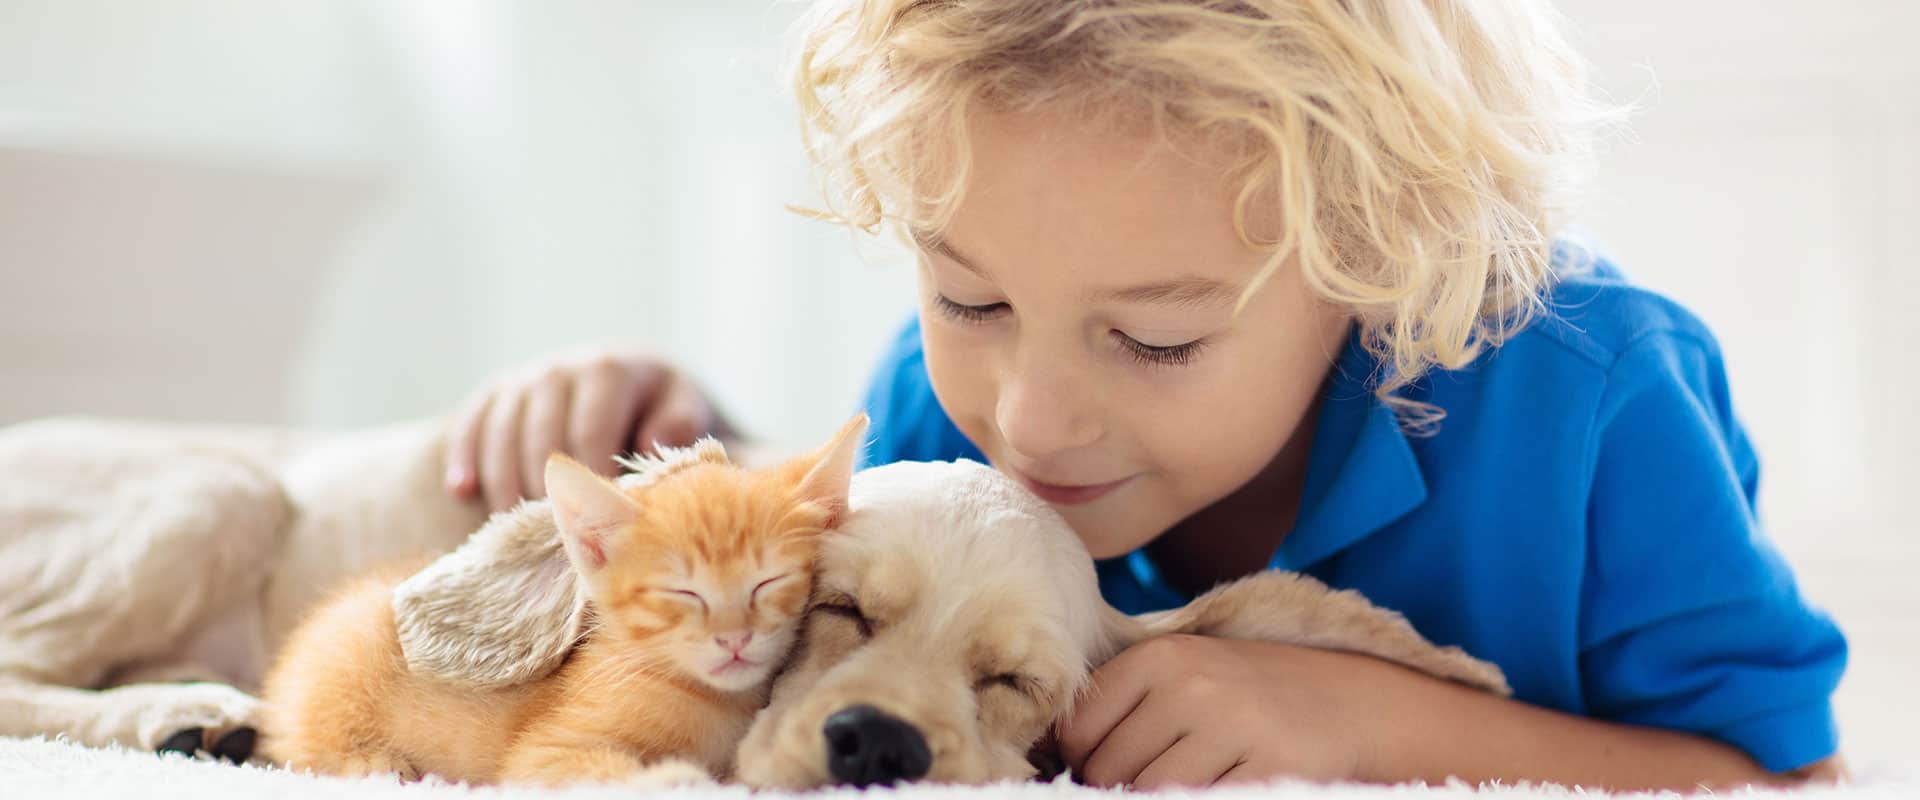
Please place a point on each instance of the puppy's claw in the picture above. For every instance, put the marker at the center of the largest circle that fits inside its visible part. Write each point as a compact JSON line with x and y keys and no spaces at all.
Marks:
{"x":237,"y":745}
{"x":186,"y":742}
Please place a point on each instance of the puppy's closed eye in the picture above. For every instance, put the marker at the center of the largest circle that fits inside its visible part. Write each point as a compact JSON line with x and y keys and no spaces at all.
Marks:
{"x":1009,"y":680}
{"x":845,"y":608}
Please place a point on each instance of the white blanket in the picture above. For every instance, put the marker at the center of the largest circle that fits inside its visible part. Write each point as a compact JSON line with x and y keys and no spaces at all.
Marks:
{"x":33,"y":768}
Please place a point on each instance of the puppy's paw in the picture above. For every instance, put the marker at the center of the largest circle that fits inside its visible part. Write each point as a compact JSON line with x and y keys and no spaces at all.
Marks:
{"x":781,"y":753}
{"x":235,"y":746}
{"x":165,"y":717}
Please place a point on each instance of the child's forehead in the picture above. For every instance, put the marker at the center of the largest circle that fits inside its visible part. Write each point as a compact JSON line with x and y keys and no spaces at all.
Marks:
{"x":1105,"y":150}
{"x":1158,"y":230}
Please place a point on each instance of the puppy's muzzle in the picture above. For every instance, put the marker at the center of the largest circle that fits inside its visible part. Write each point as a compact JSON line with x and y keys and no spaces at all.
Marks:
{"x":867,"y":746}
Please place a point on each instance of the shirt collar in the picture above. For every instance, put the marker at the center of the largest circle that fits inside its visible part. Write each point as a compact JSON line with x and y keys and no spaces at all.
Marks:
{"x":1361,"y":477}
{"x":1362,"y":474}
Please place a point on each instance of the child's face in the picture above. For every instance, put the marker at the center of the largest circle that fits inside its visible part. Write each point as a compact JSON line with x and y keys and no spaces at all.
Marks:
{"x":1079,"y":326}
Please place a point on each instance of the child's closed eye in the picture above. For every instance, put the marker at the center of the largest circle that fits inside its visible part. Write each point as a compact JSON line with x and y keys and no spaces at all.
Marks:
{"x":966,"y":313}
{"x":1141,"y":352}
{"x":1160,"y":355}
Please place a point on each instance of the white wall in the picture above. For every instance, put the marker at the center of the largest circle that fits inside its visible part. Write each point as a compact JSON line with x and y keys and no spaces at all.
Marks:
{"x":1773,"y":188}
{"x":400,"y":198}
{"x":343,"y":213}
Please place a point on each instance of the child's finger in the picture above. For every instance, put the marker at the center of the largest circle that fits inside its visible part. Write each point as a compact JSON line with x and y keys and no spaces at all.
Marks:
{"x":499,"y":452}
{"x":607,"y":399}
{"x":1242,"y":772}
{"x":1145,"y":735}
{"x":1115,"y":690}
{"x":1190,"y":762}
{"x":543,"y":430}
{"x":462,"y":477}
{"x":679,"y":418}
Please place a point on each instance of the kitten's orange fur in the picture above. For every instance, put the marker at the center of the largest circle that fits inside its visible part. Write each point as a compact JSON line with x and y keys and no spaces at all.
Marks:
{"x":696,"y":582}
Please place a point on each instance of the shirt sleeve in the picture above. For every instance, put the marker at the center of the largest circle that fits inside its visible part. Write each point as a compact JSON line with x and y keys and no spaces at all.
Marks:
{"x":905,"y":420}
{"x":1690,"y":619}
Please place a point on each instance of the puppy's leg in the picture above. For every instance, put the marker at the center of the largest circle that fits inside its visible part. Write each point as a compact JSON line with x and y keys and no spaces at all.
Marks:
{"x":1290,"y":608}
{"x":163,"y":672}
{"x":116,"y":547}
{"x":233,"y":741}
{"x":143,"y":716}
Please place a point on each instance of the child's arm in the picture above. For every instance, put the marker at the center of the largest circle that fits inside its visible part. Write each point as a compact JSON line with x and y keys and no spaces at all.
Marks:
{"x":1484,"y":738}
{"x":1188,"y":710}
{"x":1697,"y":660}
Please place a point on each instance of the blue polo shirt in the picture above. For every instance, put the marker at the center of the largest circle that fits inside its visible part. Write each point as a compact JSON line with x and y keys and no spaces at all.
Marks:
{"x":1584,"y":518}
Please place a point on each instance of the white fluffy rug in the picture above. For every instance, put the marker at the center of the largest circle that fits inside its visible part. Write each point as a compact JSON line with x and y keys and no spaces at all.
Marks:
{"x":34,"y":768}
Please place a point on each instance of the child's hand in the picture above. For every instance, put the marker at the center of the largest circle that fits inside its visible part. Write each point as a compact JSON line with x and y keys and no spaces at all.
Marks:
{"x":591,"y":404}
{"x":1194,"y":711}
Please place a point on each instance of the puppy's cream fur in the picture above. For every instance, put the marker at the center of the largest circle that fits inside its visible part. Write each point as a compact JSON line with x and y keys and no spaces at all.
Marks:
{"x":983,"y":618}
{"x":141,"y":555}
{"x":136,"y":556}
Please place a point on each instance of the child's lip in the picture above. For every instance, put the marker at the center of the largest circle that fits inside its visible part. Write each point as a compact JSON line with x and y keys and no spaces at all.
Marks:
{"x":1069,"y":494}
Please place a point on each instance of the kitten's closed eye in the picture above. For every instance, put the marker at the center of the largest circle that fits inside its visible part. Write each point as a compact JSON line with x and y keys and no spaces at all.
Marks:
{"x":753,"y":600}
{"x":686,"y":596}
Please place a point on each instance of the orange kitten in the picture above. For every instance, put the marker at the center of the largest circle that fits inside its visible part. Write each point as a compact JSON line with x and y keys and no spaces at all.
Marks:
{"x":696,"y":582}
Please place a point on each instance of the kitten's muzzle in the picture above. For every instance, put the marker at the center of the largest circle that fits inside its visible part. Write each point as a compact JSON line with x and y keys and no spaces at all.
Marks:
{"x":867,"y":746}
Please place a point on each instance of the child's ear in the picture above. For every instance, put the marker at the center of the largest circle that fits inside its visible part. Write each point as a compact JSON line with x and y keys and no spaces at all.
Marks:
{"x":588,"y":510}
{"x":830,"y":474}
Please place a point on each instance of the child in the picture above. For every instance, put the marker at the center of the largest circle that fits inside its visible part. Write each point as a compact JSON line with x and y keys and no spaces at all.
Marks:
{"x":1275,"y":283}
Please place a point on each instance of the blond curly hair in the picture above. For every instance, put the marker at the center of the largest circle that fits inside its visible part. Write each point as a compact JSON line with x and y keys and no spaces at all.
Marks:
{"x":1424,"y":151}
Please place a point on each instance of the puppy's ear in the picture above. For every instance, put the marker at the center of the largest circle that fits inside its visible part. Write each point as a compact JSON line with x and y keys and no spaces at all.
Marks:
{"x":1291,"y":608}
{"x":1119,"y":632}
{"x":503,"y":609}
{"x":829,"y":471}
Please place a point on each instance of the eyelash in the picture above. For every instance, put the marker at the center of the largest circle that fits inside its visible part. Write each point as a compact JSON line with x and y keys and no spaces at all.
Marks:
{"x":1009,"y":680}
{"x":753,"y":599}
{"x":968,"y":313}
{"x":845,"y":609}
{"x":1170,"y":356}
{"x":687,"y":595}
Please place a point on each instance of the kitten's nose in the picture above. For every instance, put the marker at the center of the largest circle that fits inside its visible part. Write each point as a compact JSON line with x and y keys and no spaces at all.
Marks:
{"x":734,"y":642}
{"x":867,"y":746}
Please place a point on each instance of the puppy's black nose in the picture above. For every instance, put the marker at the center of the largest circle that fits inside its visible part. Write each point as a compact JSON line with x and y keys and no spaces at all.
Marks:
{"x":867,"y":746}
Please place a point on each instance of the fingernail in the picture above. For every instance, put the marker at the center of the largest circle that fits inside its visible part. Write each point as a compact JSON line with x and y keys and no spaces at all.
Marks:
{"x":458,"y":480}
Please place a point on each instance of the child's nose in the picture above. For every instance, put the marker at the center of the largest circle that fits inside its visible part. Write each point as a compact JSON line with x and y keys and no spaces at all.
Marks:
{"x":734,"y":642}
{"x":1043,"y":415}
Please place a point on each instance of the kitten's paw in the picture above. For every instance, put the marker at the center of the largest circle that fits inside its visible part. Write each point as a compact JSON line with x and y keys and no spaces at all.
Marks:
{"x":363,"y":765}
{"x":666,"y":774}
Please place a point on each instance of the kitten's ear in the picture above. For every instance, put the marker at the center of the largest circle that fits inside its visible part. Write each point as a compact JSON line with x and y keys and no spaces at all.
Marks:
{"x":588,"y":509}
{"x":830,"y":474}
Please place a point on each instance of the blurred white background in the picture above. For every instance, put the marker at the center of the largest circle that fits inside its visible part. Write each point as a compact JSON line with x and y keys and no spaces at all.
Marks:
{"x":346,"y":213}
